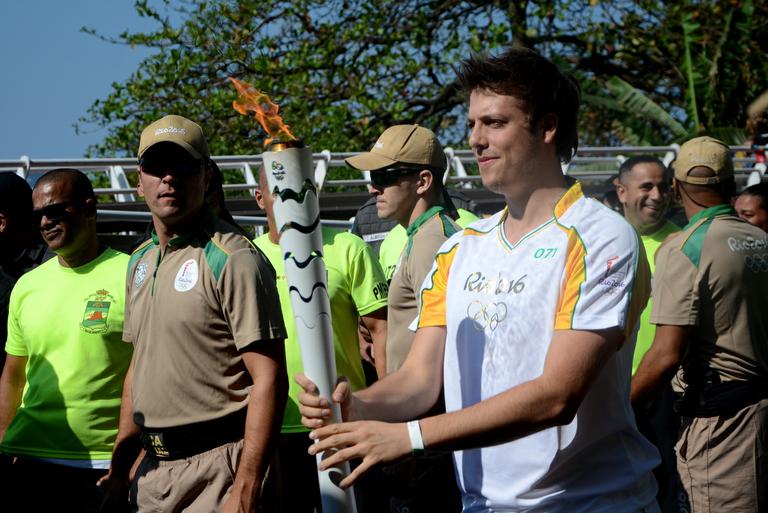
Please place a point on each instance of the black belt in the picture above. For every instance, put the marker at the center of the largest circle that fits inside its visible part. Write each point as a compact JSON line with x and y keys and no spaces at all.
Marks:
{"x":722,"y":399}
{"x":184,"y":441}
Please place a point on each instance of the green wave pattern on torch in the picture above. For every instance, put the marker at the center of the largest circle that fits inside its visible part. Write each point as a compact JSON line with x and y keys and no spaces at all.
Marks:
{"x":298,"y":197}
{"x":302,"y":264}
{"x":302,"y":228}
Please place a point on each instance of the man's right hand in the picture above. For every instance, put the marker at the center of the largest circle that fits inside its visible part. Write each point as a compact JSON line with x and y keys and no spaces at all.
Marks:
{"x":316,"y":410}
{"x":115,"y":484}
{"x":114,"y":492}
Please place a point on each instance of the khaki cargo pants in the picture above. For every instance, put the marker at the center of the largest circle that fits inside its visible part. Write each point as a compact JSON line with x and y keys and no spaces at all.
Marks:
{"x":723,"y":462}
{"x":198,"y":484}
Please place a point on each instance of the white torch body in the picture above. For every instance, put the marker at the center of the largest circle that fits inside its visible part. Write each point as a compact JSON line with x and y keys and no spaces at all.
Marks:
{"x":289,"y":171}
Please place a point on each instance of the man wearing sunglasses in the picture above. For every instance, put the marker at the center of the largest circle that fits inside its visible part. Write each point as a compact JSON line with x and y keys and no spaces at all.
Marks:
{"x":406,"y":166}
{"x":65,"y":355}
{"x":207,"y":384}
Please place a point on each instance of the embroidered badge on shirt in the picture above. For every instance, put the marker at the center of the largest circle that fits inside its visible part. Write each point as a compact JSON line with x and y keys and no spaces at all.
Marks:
{"x":96,"y":315}
{"x":141,"y":273}
{"x":615,"y":276}
{"x":186,"y":278}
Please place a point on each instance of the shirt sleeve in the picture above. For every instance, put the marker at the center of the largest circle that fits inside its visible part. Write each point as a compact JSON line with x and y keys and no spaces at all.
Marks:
{"x":249,"y":298}
{"x":606,"y":283}
{"x":675,"y":291}
{"x":15,"y":344}
{"x":367,"y":284}
{"x":433,"y":290}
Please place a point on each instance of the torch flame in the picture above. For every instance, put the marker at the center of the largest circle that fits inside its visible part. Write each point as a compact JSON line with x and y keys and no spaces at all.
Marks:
{"x":265,"y":110}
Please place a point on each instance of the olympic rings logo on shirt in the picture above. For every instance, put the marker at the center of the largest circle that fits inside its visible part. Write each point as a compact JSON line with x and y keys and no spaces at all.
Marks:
{"x":486,"y":315}
{"x":757,"y":263}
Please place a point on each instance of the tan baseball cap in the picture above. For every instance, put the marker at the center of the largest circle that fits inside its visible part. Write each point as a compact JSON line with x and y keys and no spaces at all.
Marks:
{"x":402,"y":144}
{"x":178,"y":130}
{"x":703,"y":151}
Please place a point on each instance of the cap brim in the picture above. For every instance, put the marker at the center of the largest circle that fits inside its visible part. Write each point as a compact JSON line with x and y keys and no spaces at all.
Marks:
{"x":195,"y":154}
{"x":369,"y":161}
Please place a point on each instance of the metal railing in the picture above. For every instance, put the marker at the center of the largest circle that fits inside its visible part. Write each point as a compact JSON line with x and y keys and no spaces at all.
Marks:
{"x":261,"y":221}
{"x":590,"y":162}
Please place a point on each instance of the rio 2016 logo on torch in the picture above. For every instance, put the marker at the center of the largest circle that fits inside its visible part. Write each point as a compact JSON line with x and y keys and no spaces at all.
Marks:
{"x":278,"y":170}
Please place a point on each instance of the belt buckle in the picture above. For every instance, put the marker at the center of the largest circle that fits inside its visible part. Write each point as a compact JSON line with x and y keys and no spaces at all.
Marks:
{"x":156,"y":445}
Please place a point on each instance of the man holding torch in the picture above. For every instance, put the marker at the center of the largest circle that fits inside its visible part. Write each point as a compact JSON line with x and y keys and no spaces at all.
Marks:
{"x":527,"y":320}
{"x":207,"y":385}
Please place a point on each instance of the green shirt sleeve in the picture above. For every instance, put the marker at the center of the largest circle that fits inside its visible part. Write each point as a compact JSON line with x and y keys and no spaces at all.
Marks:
{"x":14,"y":344}
{"x":367,"y":284}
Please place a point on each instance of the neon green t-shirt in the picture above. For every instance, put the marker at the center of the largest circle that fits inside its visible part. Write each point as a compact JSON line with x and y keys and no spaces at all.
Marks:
{"x":69,"y":323}
{"x":356,"y":287}
{"x":647,"y":331}
{"x":393,"y":244}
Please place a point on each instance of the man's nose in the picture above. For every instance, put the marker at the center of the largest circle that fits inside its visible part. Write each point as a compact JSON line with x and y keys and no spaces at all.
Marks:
{"x":477,"y":138}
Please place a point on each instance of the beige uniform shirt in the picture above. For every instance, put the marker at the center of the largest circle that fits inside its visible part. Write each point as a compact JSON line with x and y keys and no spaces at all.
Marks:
{"x":425,"y":236}
{"x":189,"y":312}
{"x":713,"y":277}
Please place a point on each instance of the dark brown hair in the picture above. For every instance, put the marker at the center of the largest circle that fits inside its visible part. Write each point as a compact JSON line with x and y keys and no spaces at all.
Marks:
{"x":538,"y":83}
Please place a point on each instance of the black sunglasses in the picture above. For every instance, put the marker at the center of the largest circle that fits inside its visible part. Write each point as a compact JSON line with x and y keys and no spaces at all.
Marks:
{"x":387,"y":177}
{"x":177,"y":167}
{"x":54,"y":212}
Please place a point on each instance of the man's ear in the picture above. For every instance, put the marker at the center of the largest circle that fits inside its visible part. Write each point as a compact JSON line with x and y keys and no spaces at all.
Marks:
{"x":425,"y":180}
{"x":3,"y":222}
{"x":621,"y":192}
{"x":548,"y":127}
{"x":140,"y":187}
{"x":257,"y":195}
{"x":676,"y":192}
{"x":90,"y":207}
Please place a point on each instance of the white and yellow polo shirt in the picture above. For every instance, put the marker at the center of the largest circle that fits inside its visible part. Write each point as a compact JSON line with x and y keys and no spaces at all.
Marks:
{"x":500,"y":302}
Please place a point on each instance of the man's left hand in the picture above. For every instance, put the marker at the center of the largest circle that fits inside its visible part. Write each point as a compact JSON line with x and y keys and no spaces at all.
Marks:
{"x":237,"y":503}
{"x":373,"y":442}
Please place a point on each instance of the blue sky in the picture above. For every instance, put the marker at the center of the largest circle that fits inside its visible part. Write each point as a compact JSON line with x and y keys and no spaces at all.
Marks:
{"x":52,"y":72}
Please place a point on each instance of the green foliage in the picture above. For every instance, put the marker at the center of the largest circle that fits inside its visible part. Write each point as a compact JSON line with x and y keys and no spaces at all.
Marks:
{"x":343,"y":70}
{"x":715,"y":65}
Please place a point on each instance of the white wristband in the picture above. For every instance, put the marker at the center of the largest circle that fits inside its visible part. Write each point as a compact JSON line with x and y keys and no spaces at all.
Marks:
{"x":414,"y":433}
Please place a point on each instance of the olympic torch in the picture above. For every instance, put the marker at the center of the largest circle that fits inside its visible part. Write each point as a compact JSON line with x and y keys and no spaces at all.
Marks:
{"x":289,"y":170}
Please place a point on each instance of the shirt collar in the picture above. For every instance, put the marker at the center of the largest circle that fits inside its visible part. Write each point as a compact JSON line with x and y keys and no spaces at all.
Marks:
{"x":709,"y":213}
{"x":570,"y":197}
{"x":423,"y":218}
{"x":183,"y":238}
